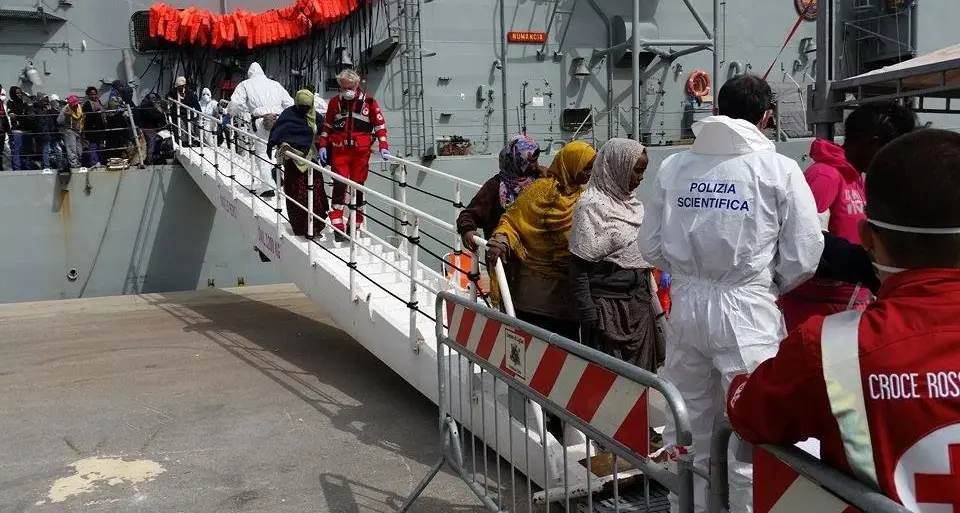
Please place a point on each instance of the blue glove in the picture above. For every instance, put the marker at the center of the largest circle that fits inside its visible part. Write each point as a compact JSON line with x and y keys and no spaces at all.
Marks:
{"x":665,"y":280}
{"x":385,"y":154}
{"x":322,"y":155}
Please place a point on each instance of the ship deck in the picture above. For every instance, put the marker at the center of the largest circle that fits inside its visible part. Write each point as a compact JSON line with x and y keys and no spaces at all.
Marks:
{"x":219,"y":400}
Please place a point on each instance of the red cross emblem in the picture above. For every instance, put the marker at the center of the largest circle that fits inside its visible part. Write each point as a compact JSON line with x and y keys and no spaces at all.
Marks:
{"x":941,"y":488}
{"x":927,"y":475}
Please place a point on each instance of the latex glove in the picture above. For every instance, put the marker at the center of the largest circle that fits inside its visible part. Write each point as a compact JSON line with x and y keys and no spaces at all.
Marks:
{"x":384,"y":154}
{"x":322,"y":155}
{"x":665,"y":280}
{"x":468,"y":242}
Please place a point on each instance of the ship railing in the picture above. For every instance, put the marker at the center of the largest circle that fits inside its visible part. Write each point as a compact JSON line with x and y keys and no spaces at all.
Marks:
{"x":245,"y":145}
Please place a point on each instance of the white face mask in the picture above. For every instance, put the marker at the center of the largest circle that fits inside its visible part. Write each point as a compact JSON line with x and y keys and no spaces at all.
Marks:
{"x":908,"y":229}
{"x":206,"y":97}
{"x":348,"y":95}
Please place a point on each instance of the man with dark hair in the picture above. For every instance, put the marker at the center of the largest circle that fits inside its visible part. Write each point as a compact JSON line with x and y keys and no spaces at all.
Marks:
{"x":736,"y":225}
{"x":746,"y":97}
{"x":880,"y":388}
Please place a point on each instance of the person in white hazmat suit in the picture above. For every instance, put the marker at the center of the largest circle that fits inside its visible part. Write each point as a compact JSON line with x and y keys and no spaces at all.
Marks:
{"x":264,"y":99}
{"x":736,"y":225}
{"x":209,"y":108}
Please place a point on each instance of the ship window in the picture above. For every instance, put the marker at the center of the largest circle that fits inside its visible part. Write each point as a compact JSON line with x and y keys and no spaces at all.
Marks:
{"x":140,"y":34}
{"x":573,"y":119}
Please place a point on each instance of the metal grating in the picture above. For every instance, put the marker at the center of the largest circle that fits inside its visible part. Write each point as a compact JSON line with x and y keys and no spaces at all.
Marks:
{"x":140,"y":38}
{"x":631,"y":500}
{"x":28,"y":15}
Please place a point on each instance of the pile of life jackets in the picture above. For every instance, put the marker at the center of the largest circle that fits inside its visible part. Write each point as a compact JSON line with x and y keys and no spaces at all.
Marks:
{"x":195,"y":26}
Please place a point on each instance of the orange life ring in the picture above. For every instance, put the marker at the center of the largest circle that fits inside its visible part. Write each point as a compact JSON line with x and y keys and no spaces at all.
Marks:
{"x":698,"y":83}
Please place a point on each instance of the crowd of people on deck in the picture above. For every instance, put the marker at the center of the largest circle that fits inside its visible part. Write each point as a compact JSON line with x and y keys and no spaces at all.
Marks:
{"x":818,"y":304}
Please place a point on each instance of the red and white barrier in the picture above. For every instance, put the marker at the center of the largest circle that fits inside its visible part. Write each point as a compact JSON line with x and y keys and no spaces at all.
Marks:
{"x":610,"y":403}
{"x":778,"y":488}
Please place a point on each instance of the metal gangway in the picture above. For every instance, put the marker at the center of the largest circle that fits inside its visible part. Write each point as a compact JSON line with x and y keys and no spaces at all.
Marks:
{"x":462,"y":356}
{"x":380,"y":292}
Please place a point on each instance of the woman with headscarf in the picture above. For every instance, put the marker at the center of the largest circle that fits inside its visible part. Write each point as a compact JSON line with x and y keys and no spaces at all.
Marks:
{"x":532,"y":240}
{"x":296,"y":132}
{"x":518,"y":169}
{"x":610,"y":279}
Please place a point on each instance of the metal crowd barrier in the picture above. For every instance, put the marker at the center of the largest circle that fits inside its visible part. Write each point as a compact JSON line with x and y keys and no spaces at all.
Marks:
{"x":790,"y":480}
{"x":591,"y":396}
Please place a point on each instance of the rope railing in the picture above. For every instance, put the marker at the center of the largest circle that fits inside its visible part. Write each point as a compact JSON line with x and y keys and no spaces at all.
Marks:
{"x":411,"y":217}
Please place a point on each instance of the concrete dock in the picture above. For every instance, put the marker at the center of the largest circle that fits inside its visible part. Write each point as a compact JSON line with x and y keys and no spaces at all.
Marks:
{"x":219,"y":400}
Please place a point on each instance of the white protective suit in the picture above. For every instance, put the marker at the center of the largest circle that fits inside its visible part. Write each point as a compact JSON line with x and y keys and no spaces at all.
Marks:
{"x":259,"y":95}
{"x":209,"y":107}
{"x":319,"y":105}
{"x":736,"y":225}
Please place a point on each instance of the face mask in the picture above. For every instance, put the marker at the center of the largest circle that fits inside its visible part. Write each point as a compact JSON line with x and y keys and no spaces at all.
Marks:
{"x":348,"y":95}
{"x":206,"y":97}
{"x":908,"y":229}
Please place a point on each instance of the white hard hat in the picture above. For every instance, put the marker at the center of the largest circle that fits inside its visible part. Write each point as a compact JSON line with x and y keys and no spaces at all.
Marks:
{"x":54,"y":97}
{"x":181,"y":81}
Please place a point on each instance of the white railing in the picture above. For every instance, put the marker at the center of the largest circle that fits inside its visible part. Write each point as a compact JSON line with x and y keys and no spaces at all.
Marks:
{"x":189,"y":129}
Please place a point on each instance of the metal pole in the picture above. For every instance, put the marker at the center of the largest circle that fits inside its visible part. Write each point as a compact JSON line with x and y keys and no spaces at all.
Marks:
{"x":404,"y":216}
{"x":503,"y":70}
{"x":717,"y":81}
{"x":279,"y":205}
{"x":823,"y":126}
{"x":136,"y":139}
{"x":457,"y":245}
{"x":414,"y":255}
{"x":635,"y":63}
{"x":475,"y":269}
{"x":433,"y":131}
{"x":353,"y":242}
{"x":310,"y":172}
{"x":609,"y":103}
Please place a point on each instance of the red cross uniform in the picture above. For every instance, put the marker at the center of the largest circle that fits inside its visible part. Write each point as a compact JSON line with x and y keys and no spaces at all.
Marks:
{"x":880,"y":389}
{"x":349,"y":130}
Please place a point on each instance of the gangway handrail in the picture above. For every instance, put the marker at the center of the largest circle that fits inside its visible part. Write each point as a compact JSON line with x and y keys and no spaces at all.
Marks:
{"x":431,"y":171}
{"x":506,"y":296}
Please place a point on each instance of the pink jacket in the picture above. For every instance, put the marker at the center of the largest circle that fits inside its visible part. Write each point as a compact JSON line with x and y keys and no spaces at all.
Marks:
{"x":838,"y":189}
{"x":839,"y":192}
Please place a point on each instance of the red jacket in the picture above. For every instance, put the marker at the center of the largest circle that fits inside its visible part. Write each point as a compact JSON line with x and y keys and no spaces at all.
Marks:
{"x":908,"y":355}
{"x":838,"y":189}
{"x":353,"y":123}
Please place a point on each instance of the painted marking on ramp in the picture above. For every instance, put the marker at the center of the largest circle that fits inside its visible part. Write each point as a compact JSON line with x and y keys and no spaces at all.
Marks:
{"x":91,"y":473}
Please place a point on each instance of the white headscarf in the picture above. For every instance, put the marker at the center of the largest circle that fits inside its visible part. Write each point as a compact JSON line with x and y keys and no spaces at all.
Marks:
{"x":608,"y":214}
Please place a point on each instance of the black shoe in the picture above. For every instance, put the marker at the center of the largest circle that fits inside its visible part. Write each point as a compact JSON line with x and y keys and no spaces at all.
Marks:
{"x":268,"y":194}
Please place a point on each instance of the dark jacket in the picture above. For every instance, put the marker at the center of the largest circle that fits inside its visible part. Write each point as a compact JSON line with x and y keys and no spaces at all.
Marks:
{"x":189,"y":99}
{"x":291,"y":128}
{"x":23,"y":114}
{"x":601,"y":279}
{"x":47,"y":122}
{"x":845,"y":261}
{"x":484,"y":210}
{"x":151,"y":114}
{"x":94,"y":121}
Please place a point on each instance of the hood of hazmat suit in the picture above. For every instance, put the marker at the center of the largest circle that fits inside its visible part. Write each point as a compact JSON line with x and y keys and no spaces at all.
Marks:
{"x":736,"y":225}
{"x":259,"y":95}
